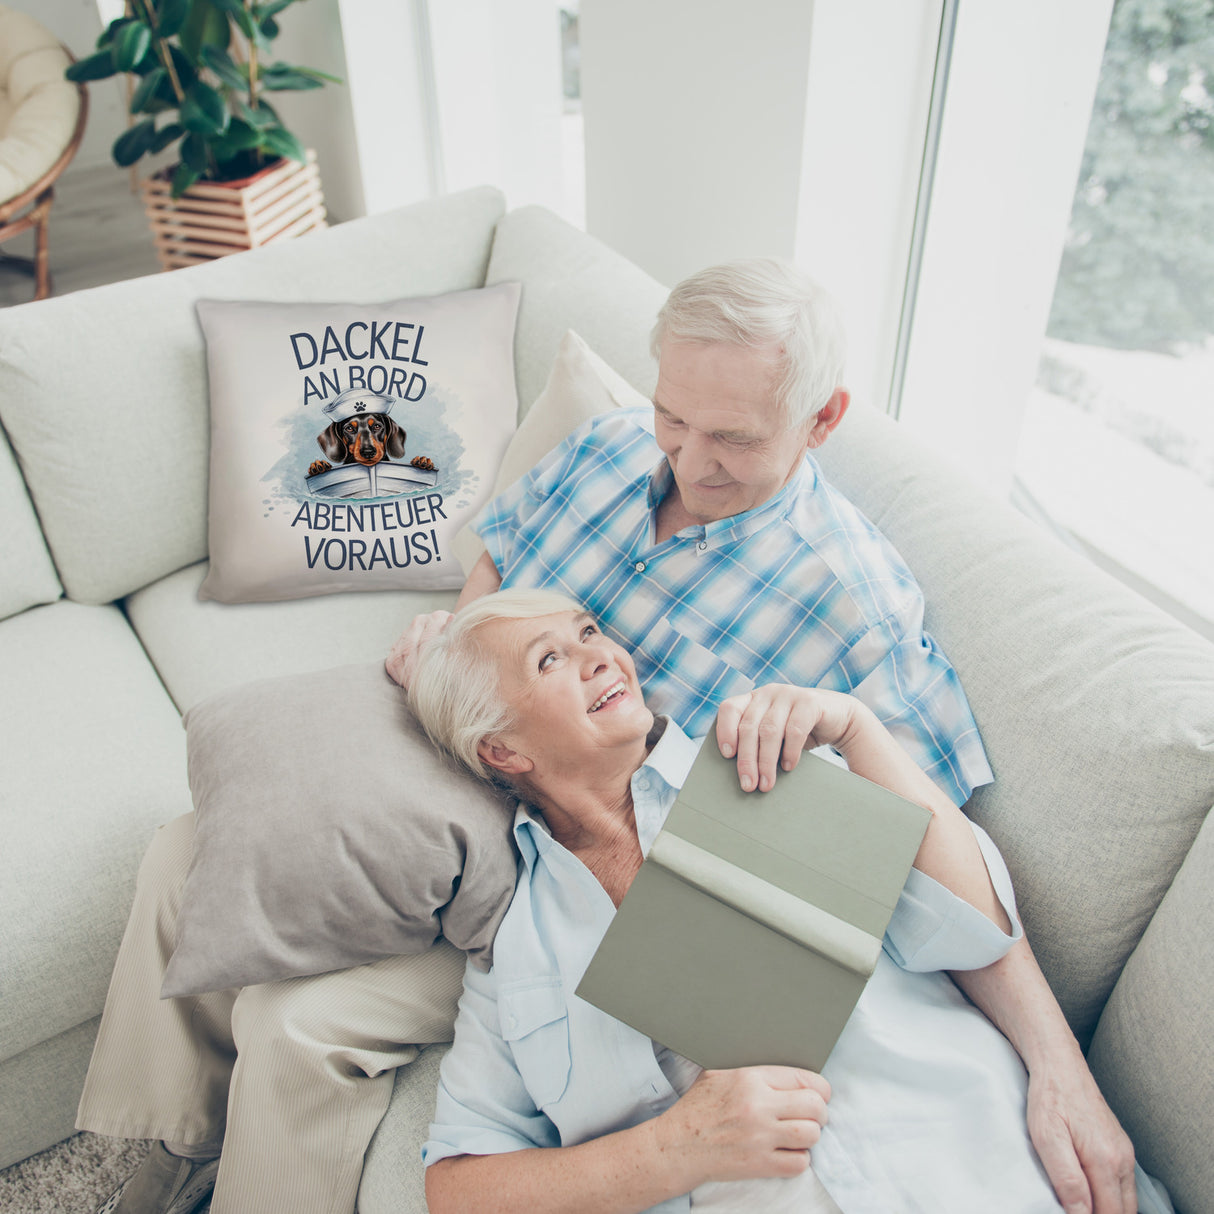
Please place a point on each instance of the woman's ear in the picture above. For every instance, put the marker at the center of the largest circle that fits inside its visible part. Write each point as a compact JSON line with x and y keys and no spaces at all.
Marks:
{"x":494,"y":753}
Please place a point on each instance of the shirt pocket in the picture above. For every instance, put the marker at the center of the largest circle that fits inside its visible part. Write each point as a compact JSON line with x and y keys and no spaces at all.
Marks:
{"x":682,"y":671}
{"x":535,"y":1024}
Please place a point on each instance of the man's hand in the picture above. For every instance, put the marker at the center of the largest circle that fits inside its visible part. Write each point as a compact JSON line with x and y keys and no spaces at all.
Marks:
{"x":750,"y":1122}
{"x":1087,"y":1155}
{"x":400,"y":662}
{"x":770,"y":727}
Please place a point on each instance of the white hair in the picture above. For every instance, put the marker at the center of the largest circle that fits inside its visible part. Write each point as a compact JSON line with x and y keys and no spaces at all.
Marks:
{"x":763,"y":303}
{"x":454,"y":691}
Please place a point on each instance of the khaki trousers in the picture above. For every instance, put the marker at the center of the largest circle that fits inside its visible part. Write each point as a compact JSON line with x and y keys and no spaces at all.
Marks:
{"x":293,"y":1076}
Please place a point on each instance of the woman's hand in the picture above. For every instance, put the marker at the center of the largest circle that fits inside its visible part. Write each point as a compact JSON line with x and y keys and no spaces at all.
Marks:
{"x":755,"y":1121}
{"x":770,"y":727}
{"x":401,"y":661}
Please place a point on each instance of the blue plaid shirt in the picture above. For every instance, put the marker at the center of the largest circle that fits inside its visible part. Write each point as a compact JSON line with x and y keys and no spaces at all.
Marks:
{"x":802,"y":589}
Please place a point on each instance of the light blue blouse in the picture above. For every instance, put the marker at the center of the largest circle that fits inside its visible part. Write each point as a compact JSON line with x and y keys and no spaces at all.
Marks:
{"x":928,"y":1104}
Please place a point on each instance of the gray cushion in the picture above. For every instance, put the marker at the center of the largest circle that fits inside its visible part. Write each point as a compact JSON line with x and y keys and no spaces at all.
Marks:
{"x":124,"y":501}
{"x":29,"y":576}
{"x":1153,"y":1053}
{"x":201,"y":648}
{"x":571,"y":281}
{"x":93,"y":760}
{"x":330,"y":833}
{"x":1095,"y":708}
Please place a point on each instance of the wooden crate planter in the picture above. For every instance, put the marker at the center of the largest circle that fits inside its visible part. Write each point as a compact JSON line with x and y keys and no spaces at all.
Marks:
{"x":215,"y":218}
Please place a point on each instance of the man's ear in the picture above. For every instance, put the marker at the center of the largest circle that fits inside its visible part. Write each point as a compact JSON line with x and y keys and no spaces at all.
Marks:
{"x":501,"y":758}
{"x":829,"y":416}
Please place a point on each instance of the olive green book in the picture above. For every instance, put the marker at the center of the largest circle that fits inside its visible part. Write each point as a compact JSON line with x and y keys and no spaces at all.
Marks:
{"x":755,"y":921}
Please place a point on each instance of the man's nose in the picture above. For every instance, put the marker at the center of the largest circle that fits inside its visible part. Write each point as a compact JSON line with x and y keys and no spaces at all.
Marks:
{"x":697,"y":457}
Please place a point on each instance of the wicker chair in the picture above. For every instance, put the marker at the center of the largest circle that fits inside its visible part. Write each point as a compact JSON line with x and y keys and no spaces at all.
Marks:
{"x":42,"y":118}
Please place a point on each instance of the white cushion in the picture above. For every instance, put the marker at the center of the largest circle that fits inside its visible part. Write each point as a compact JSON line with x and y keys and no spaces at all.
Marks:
{"x":200,"y":648}
{"x":572,"y":281}
{"x":29,"y":575}
{"x":124,"y":502}
{"x":93,"y":760}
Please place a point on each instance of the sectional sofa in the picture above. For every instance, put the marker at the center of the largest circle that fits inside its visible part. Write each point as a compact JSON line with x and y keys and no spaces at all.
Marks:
{"x":1097,"y":711}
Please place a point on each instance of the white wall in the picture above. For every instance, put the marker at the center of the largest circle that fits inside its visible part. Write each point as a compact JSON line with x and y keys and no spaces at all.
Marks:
{"x":694,"y":127}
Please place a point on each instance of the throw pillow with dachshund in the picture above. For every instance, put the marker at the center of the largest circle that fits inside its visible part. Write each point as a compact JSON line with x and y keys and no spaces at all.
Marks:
{"x":350,"y":442}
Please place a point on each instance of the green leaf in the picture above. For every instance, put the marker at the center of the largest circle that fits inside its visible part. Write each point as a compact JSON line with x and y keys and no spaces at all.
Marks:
{"x":205,"y":26}
{"x":144,"y":97}
{"x":132,"y":144}
{"x":187,"y":73}
{"x":194,"y":153}
{"x":108,"y":34}
{"x":272,"y":9}
{"x":225,"y":67}
{"x":203,"y":111}
{"x":317,"y":74}
{"x":269,"y":30}
{"x":183,"y":178}
{"x":262,"y":118}
{"x":171,"y":16}
{"x":241,"y":137}
{"x":281,"y":142}
{"x":131,"y":44}
{"x":166,"y":135}
{"x":95,"y":67}
{"x":280,"y":77}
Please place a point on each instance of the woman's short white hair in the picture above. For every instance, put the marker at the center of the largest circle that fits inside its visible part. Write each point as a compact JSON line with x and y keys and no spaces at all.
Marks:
{"x":762,"y":303}
{"x":454,"y":691}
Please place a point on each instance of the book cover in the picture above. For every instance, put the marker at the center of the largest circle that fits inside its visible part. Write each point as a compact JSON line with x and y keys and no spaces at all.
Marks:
{"x":755,"y":921}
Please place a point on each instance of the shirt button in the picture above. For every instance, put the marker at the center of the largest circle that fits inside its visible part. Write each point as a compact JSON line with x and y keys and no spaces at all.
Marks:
{"x":639,"y":566}
{"x":702,"y":545}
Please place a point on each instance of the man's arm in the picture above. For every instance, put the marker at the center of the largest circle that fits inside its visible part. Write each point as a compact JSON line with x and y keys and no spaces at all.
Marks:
{"x":1087,"y":1155}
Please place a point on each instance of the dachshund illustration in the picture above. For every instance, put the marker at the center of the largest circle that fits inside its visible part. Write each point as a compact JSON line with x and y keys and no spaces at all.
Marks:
{"x":359,"y":432}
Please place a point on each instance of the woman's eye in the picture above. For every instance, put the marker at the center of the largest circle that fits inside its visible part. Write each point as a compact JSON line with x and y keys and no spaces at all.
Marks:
{"x":547,"y":660}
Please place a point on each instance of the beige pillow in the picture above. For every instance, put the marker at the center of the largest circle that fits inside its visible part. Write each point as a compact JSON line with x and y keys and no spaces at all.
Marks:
{"x":330,"y":833}
{"x":580,"y":386}
{"x":349,"y":443}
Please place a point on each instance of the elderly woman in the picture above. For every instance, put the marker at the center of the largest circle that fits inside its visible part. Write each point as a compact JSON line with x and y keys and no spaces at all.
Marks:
{"x":547,"y":1103}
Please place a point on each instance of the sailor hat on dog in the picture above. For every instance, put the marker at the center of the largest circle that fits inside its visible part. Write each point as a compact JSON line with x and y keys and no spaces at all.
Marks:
{"x":354,"y":401}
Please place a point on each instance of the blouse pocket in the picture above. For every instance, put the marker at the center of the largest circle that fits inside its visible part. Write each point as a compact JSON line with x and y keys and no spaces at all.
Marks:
{"x":535,"y":1023}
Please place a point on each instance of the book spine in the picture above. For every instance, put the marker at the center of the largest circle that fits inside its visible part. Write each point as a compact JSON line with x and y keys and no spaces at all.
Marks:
{"x":802,"y":922}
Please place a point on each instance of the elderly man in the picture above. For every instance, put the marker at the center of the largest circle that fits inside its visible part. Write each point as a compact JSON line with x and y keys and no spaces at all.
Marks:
{"x":704,"y":538}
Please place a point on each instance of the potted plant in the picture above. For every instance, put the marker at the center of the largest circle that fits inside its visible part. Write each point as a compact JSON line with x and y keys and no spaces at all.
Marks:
{"x":201,"y":71}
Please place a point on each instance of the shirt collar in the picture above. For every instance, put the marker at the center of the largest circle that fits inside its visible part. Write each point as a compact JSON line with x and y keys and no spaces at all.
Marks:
{"x":737,"y":526}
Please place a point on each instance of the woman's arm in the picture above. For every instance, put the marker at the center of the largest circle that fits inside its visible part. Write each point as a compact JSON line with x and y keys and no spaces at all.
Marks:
{"x":769,"y":728}
{"x":730,"y":1125}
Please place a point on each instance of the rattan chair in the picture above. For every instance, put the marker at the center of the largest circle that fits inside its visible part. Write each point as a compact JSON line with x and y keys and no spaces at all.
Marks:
{"x":42,"y":117}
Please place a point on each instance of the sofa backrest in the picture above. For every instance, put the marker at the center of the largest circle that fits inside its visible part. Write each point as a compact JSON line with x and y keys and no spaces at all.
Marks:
{"x":29,"y":575}
{"x":104,"y":392}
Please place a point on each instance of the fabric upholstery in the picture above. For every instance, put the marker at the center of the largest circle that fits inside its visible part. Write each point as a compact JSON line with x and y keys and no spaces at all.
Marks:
{"x":200,"y":648}
{"x":1153,"y":1054}
{"x":93,"y":760}
{"x":1097,"y":711}
{"x":572,"y":281}
{"x":329,"y":832}
{"x":124,"y":502}
{"x":29,"y":574}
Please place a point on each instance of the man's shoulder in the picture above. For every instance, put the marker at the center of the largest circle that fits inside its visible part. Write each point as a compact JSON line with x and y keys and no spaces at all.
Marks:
{"x":618,"y":436}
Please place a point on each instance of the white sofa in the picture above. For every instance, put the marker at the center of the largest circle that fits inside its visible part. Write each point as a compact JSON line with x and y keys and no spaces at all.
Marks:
{"x":1097,"y":711}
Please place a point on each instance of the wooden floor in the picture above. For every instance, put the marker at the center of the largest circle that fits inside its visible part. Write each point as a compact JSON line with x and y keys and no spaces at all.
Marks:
{"x":98,"y":234}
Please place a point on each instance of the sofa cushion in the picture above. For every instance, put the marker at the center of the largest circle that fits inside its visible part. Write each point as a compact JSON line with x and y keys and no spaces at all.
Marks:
{"x":428,"y":386}
{"x":200,"y":648}
{"x":572,"y":281}
{"x":1152,"y":1054}
{"x":124,"y":502}
{"x":93,"y":760}
{"x":29,"y":574}
{"x":580,"y":385}
{"x":328,"y":833}
{"x":1096,"y":709}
